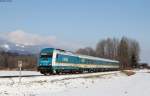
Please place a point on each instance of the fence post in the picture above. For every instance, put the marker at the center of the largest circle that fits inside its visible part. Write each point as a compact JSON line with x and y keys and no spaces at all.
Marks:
{"x":20,"y":69}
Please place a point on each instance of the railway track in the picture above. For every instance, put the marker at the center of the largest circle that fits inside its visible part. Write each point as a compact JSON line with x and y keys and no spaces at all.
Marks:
{"x":16,"y":76}
{"x":72,"y":76}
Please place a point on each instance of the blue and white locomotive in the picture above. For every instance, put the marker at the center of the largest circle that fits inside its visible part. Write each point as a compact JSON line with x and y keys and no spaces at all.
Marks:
{"x":55,"y":61}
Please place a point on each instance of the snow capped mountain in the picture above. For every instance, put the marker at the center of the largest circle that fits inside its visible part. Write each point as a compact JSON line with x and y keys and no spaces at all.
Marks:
{"x":6,"y":46}
{"x":20,"y":48}
{"x":19,"y":45}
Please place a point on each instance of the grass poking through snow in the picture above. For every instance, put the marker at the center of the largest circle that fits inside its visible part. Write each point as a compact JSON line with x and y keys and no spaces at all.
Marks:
{"x":128,"y":72}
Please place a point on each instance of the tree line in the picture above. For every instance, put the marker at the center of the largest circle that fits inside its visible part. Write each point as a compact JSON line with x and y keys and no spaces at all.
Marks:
{"x":10,"y":60}
{"x":126,"y":51}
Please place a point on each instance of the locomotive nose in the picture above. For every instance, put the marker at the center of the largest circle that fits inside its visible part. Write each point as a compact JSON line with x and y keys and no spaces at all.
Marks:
{"x":45,"y":62}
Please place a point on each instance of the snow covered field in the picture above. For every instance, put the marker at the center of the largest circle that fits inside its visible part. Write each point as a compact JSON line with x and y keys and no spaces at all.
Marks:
{"x":16,"y":73}
{"x":95,"y":84}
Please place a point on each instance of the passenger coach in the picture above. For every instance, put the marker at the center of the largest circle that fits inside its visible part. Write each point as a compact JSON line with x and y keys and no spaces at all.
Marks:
{"x":55,"y":61}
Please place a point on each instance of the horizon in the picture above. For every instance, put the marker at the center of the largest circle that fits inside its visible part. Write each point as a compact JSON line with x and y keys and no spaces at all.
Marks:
{"x":76,"y":24}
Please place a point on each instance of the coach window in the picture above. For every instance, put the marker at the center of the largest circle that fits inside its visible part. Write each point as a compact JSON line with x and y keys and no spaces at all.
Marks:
{"x":88,"y":61}
{"x":82,"y":60}
{"x":65,"y":59}
{"x":59,"y":58}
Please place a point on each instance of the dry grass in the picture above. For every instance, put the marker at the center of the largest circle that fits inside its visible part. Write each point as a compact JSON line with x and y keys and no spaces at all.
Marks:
{"x":128,"y":72}
{"x":8,"y":69}
{"x":148,"y":72}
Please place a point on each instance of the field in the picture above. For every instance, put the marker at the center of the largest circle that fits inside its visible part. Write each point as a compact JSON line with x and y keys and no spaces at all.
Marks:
{"x":94,"y":84}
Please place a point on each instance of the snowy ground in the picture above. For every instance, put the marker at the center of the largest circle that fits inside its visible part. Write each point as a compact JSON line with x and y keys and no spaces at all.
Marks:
{"x":95,"y":84}
{"x":16,"y":73}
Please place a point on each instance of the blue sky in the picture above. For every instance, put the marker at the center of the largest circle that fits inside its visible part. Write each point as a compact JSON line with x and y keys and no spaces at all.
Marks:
{"x":79,"y":23}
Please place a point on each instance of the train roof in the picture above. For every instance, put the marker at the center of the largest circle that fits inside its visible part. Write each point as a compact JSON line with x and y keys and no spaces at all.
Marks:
{"x":85,"y":56}
{"x":98,"y":58}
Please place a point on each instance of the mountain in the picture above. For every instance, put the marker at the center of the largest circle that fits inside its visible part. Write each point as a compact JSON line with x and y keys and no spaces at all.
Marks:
{"x":7,"y":46}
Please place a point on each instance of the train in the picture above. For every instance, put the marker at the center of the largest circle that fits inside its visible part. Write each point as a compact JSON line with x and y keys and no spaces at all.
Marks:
{"x":56,"y":61}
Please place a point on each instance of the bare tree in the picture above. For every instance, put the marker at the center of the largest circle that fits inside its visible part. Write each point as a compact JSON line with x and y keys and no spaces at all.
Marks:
{"x":123,"y":53}
{"x":107,"y":48}
{"x":82,"y":51}
{"x":100,"y":49}
{"x":86,"y":51}
{"x":134,"y":53}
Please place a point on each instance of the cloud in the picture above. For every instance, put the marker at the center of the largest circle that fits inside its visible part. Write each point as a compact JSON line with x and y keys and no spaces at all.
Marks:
{"x":21,"y":37}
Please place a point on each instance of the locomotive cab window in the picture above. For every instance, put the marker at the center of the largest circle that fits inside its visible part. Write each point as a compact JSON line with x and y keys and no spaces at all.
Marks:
{"x":46,"y":55}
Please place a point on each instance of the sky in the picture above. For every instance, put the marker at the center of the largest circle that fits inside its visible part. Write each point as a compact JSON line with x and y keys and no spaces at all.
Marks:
{"x":76,"y":24}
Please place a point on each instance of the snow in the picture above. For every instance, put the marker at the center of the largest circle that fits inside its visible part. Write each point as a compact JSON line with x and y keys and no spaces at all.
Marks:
{"x":5,"y":46}
{"x":19,"y":45}
{"x":16,"y":73}
{"x":94,"y":84}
